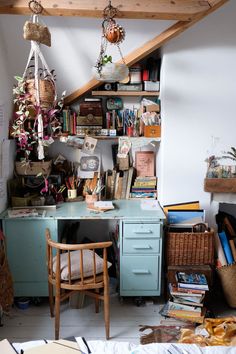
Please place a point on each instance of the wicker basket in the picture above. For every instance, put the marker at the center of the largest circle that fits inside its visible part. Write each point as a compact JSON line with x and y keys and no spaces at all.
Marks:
{"x":46,"y":92}
{"x":190,"y":248}
{"x":33,"y":168}
{"x":227,"y":275}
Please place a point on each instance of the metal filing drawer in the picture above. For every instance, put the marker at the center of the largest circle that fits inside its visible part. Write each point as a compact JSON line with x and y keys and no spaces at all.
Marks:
{"x":141,"y":246}
{"x":140,"y":273}
{"x":141,"y":230}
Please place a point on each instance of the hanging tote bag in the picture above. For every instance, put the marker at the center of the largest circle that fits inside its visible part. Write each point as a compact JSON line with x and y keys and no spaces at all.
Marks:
{"x":6,"y":283}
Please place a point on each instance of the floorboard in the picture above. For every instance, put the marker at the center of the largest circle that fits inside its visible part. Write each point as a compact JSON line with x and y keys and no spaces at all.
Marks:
{"x":125,"y":320}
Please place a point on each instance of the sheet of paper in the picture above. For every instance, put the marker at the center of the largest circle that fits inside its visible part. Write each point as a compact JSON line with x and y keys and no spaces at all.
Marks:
{"x":150,"y":204}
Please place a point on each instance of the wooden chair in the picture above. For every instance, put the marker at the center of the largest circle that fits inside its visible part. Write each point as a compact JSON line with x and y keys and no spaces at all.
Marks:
{"x":76,"y":267}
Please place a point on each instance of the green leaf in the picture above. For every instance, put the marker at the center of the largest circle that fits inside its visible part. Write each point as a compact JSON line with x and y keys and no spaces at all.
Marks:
{"x":18,"y":78}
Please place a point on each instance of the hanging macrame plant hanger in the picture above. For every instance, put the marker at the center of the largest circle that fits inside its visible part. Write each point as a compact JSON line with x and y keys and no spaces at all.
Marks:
{"x":40,"y":81}
{"x":114,"y":34}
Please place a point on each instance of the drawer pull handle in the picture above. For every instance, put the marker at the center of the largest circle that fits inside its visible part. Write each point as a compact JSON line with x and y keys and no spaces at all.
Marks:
{"x":143,"y":232}
{"x":140,"y":271}
{"x":142,"y":247}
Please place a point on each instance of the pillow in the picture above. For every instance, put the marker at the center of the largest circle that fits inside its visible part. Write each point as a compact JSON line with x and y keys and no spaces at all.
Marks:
{"x":75,"y":264}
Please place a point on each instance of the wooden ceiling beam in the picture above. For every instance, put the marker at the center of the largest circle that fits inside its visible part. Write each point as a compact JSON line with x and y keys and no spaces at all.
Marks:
{"x":147,"y":49}
{"x":179,"y":10}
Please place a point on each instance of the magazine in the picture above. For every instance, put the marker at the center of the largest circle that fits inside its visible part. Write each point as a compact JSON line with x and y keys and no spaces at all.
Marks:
{"x":192,"y":281}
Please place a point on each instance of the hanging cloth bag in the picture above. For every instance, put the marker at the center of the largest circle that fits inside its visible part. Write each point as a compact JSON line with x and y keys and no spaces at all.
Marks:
{"x":6,"y":284}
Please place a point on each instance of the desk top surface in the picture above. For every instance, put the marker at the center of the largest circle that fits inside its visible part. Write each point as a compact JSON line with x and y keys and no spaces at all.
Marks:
{"x":124,"y":210}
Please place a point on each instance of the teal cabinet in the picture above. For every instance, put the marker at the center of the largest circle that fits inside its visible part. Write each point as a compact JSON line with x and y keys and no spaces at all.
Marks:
{"x":26,"y":252}
{"x":140,"y":258}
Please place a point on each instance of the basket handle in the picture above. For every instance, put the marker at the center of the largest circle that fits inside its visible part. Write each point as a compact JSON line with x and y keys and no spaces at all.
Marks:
{"x":199,"y":227}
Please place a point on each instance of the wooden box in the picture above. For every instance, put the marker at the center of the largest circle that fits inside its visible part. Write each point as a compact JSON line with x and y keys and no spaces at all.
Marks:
{"x":207,"y":270}
{"x":220,"y":185}
{"x":152,"y":131}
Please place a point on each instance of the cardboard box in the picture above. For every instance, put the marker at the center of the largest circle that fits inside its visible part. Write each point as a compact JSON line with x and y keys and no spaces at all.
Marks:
{"x":152,"y":131}
{"x":155,"y":107}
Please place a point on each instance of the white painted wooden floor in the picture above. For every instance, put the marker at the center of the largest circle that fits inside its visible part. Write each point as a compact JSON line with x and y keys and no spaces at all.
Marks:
{"x":125,"y":319}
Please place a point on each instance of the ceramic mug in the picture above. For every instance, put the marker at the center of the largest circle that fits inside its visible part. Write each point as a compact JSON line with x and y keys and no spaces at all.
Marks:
{"x":72,"y":193}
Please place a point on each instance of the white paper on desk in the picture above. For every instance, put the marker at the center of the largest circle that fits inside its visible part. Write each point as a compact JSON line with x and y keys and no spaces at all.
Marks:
{"x":104,"y":204}
{"x":149,"y":204}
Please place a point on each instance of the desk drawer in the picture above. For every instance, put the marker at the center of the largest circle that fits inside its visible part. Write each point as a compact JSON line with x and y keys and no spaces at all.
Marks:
{"x":141,"y":246}
{"x":141,"y":230}
{"x":140,"y":273}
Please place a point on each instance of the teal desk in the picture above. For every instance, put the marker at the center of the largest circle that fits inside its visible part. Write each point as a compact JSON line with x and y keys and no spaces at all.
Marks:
{"x":140,"y":244}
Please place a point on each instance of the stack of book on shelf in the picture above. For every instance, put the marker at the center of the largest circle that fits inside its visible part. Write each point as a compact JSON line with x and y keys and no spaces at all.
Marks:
{"x":144,"y":187}
{"x":187,"y":298}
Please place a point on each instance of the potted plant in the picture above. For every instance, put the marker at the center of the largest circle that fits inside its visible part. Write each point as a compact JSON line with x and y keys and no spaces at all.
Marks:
{"x":28,"y":116}
{"x":108,"y":71}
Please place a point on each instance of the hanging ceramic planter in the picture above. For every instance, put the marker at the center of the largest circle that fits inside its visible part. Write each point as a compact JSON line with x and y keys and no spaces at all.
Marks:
{"x":112,"y":72}
{"x":112,"y":33}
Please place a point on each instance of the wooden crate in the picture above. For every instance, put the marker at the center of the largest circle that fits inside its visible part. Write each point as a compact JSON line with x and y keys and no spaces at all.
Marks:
{"x":152,"y":131}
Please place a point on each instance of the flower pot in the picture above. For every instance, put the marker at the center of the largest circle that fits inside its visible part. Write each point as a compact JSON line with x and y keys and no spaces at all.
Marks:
{"x":112,"y":72}
{"x":47,"y":94}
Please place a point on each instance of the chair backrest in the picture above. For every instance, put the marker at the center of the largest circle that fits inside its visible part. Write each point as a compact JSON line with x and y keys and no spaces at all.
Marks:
{"x":77,"y":266}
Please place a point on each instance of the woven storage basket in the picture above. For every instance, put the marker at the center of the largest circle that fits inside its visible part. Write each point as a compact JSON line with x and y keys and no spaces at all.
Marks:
{"x":46,"y":93}
{"x":33,"y":168}
{"x":227,"y":275}
{"x":190,"y":248}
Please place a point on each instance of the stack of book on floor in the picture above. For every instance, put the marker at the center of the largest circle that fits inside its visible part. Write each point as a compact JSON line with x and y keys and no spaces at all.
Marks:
{"x":187,"y":297}
{"x":144,"y":187}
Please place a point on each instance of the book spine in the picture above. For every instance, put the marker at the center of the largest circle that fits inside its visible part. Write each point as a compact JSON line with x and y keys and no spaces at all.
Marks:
{"x":233,"y":249}
{"x":226,"y":247}
{"x":221,"y":260}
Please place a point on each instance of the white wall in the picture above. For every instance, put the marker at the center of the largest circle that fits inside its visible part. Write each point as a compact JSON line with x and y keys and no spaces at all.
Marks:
{"x":5,"y":108}
{"x":75,"y":45}
{"x":198,"y":96}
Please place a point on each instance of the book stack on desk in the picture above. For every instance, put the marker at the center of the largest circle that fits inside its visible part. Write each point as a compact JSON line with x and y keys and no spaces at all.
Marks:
{"x":144,"y":187}
{"x":187,"y":298}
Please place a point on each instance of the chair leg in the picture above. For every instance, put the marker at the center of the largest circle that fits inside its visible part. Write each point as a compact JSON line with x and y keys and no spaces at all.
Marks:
{"x":51,"y":301}
{"x":57,"y":314}
{"x":97,"y":302}
{"x":107,"y":310}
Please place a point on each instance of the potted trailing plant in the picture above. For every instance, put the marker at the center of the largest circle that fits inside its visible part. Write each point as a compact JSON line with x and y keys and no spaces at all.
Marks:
{"x":27,"y":116}
{"x":108,"y":71}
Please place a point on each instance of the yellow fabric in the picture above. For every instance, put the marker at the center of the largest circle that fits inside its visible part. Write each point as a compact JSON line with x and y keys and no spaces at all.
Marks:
{"x":221,"y":331}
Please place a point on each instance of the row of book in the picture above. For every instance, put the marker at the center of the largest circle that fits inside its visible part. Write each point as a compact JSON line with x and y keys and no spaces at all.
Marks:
{"x":225,"y":248}
{"x":118,"y":184}
{"x":144,"y":187}
{"x":187,"y":298}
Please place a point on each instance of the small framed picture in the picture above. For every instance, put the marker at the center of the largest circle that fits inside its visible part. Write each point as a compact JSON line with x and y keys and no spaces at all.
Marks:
{"x":144,"y":163}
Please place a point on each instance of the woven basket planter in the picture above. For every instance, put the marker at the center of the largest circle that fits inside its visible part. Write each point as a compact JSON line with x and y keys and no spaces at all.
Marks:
{"x":227,"y":275}
{"x":33,"y":168}
{"x":190,"y":248}
{"x":46,"y":93}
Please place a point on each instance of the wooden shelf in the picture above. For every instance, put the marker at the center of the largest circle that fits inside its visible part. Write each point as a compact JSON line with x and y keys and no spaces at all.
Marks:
{"x":125,"y":93}
{"x":220,"y":185}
